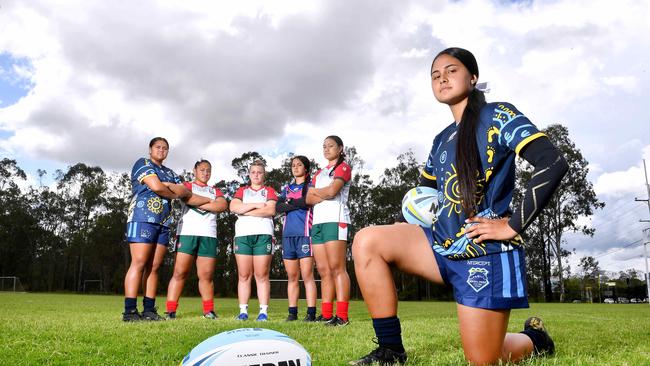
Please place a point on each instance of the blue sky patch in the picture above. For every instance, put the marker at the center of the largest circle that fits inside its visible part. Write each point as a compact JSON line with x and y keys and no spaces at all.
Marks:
{"x":14,"y":83}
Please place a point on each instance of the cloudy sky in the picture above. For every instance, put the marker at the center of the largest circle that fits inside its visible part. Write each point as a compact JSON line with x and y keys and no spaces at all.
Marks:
{"x":93,"y":81}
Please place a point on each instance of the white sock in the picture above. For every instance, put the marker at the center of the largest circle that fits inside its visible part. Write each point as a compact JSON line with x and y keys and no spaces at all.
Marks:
{"x":243,"y":308}
{"x":264,"y":309}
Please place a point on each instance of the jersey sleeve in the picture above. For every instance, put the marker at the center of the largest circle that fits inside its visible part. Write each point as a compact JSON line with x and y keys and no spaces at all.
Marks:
{"x":188,"y":185}
{"x":142,"y":169}
{"x":312,"y":182}
{"x":343,"y":171}
{"x":218,"y":193}
{"x":176,"y":178}
{"x":271,"y":194}
{"x":515,"y":130}
{"x":427,"y":172}
{"x":239,"y":194}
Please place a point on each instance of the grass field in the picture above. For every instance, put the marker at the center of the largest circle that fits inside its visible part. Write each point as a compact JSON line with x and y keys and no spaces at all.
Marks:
{"x":67,"y":329}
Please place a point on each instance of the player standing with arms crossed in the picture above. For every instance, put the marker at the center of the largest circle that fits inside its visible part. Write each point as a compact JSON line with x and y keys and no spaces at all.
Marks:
{"x":255,"y":207}
{"x":197,"y":241}
{"x":329,"y":196}
{"x":153,"y":187}
{"x":474,"y":245}
{"x":296,"y":243}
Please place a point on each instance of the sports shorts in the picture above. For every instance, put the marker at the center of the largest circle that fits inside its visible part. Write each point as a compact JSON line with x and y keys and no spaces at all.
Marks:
{"x":329,"y":231}
{"x":201,"y":246}
{"x":254,"y":244}
{"x":296,"y":247}
{"x":145,"y":232}
{"x":493,"y":281}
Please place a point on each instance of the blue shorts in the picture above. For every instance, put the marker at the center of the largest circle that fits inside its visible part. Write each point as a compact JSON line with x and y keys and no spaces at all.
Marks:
{"x":493,"y":281}
{"x":296,"y":247}
{"x":145,"y":232}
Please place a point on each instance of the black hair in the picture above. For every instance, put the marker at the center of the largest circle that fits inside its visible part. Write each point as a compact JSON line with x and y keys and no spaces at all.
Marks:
{"x":341,"y":158}
{"x":307,"y":164}
{"x":467,"y":157}
{"x":201,"y":161}
{"x":156,"y":139}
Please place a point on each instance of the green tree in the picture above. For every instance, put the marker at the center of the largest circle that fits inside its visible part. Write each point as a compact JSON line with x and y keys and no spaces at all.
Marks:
{"x":574,"y":198}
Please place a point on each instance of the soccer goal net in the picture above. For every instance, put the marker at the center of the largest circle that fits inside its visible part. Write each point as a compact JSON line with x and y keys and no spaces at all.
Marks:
{"x":93,"y":286}
{"x":11,"y":283}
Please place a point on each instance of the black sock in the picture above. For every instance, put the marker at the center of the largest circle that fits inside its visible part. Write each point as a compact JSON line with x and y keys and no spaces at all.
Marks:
{"x":130,"y":304}
{"x":293,"y":310}
{"x":149,"y":303}
{"x":540,"y":343}
{"x":389,"y":333}
{"x":311,"y":311}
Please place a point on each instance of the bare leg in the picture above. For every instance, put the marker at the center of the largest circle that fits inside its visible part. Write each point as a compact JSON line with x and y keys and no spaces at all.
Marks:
{"x":261,"y":267}
{"x":307,"y":272}
{"x":336,"y":252}
{"x":376,"y":248}
{"x":293,"y":274}
{"x":326,"y":280}
{"x":152,"y":278}
{"x":245,"y":275}
{"x":205,"y":270}
{"x":140,"y":256}
{"x":485,"y":342}
{"x":182,"y":267}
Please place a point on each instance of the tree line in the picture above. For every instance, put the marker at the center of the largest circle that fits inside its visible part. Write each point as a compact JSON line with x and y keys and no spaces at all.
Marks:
{"x":59,"y":239}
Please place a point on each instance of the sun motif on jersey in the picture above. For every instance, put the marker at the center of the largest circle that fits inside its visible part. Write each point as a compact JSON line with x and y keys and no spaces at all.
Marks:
{"x":155,"y":205}
{"x":452,"y":202}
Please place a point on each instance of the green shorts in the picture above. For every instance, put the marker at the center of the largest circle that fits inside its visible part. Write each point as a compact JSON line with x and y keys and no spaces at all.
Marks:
{"x":322,"y":233}
{"x":253,"y":244}
{"x":202,"y":246}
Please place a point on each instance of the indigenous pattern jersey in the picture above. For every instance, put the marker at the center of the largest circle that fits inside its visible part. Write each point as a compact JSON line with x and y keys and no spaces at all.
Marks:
{"x":502,"y":132}
{"x":335,"y":209}
{"x":251,"y":225}
{"x":195,"y":221}
{"x":147,"y":206}
{"x":296,"y":222}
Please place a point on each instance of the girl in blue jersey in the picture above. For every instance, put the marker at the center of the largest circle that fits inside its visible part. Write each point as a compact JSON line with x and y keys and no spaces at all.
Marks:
{"x":474,"y":246}
{"x":153,"y":187}
{"x":296,"y":244}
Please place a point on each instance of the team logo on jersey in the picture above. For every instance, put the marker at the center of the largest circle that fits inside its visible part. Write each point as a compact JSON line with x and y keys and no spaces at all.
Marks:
{"x":305,"y":248}
{"x":478,"y":278}
{"x":443,"y":157}
{"x":155,"y":205}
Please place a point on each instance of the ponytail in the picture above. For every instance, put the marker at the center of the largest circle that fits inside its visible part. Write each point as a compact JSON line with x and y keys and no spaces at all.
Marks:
{"x":468,"y":161}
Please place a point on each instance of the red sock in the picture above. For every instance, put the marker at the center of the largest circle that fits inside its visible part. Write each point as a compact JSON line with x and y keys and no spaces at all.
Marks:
{"x":342,"y":309}
{"x":326,"y":308}
{"x":172,"y":306}
{"x":208,"y":306}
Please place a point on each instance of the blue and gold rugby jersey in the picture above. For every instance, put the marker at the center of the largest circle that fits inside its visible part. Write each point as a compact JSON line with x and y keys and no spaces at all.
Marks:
{"x":502,"y":132}
{"x":147,"y":206}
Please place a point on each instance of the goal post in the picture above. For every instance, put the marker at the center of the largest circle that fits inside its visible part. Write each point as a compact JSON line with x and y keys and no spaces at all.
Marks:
{"x":11,"y":283}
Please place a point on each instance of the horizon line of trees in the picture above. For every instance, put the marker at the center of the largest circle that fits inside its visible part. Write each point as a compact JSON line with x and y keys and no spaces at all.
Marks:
{"x":57,"y":239}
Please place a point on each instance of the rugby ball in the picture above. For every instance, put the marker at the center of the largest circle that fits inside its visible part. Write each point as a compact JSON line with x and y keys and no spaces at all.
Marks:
{"x":248,"y":347}
{"x":420,"y":206}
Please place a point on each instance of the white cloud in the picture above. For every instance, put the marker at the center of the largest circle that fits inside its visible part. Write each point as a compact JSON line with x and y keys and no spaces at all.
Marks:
{"x":219,"y":79}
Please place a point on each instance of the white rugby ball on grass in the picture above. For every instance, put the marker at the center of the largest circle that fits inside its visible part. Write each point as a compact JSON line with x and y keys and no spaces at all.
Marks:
{"x":248,"y":347}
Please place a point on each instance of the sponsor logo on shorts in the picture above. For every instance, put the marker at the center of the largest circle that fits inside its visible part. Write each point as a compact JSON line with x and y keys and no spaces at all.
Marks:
{"x":268,"y":246}
{"x":478,"y":263}
{"x":478,"y":278}
{"x":305,"y":248}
